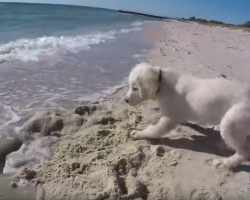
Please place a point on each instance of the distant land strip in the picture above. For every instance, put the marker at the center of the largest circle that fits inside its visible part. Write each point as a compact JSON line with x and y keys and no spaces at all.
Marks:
{"x":143,"y":14}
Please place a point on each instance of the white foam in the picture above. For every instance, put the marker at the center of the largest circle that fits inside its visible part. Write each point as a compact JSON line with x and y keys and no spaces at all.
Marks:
{"x":11,"y":114}
{"x":8,"y":116}
{"x":130,"y":30}
{"x":34,"y":49}
{"x":140,"y":23}
{"x":138,"y":56}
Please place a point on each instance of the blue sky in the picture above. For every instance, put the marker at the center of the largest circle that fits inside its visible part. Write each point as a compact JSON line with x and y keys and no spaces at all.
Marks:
{"x":231,"y":11}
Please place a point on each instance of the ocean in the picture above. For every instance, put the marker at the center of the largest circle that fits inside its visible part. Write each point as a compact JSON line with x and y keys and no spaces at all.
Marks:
{"x":58,"y":56}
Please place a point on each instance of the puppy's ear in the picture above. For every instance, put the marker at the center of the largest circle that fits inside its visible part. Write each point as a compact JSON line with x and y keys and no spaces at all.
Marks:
{"x":148,"y":84}
{"x":142,"y":90}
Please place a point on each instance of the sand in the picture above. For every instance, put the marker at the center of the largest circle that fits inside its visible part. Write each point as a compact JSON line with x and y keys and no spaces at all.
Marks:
{"x":97,"y":159}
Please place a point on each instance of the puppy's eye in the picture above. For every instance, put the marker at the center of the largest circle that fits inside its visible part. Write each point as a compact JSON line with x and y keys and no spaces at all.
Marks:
{"x":135,"y":89}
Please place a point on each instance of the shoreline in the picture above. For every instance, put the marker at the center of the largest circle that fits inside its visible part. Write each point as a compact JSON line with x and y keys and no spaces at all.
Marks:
{"x":96,"y":158}
{"x":26,"y":192}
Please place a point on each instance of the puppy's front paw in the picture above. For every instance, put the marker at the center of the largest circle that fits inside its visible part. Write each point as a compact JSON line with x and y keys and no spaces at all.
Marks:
{"x":221,"y":164}
{"x":136,"y":135}
{"x":218,"y":163}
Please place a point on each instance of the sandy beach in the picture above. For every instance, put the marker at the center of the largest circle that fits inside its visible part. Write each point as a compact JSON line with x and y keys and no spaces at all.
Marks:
{"x":97,"y":159}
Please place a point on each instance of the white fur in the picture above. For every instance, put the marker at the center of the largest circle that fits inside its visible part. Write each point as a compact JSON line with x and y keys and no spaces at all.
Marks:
{"x":185,"y":98}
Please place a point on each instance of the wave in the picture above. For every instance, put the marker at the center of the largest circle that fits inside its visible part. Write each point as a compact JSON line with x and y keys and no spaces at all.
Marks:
{"x":33,"y":49}
{"x":140,"y":23}
{"x":8,"y":116}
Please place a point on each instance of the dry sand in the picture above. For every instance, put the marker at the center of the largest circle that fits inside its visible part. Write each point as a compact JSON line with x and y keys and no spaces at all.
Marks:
{"x":96,"y":158}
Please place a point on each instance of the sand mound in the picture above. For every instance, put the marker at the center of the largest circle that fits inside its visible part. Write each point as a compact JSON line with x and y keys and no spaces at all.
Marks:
{"x":97,"y":159}
{"x":44,"y":123}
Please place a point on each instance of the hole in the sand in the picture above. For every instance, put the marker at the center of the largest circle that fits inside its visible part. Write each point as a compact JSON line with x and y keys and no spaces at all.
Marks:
{"x":27,"y":174}
{"x":142,"y":190}
{"x":160,"y":149}
{"x":121,"y":167}
{"x":82,"y":110}
{"x":137,"y":161}
{"x":75,"y":166}
{"x":104,"y":132}
{"x":119,"y":170}
{"x":107,"y":120}
{"x":121,"y":184}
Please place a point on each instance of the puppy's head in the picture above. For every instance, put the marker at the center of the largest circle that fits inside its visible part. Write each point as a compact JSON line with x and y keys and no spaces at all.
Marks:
{"x":143,"y":84}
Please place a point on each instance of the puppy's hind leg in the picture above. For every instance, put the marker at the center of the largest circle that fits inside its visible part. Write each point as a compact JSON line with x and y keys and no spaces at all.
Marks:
{"x":163,"y":126}
{"x":235,"y":129}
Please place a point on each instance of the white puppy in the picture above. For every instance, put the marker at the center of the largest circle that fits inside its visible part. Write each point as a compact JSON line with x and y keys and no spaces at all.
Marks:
{"x":185,"y":98}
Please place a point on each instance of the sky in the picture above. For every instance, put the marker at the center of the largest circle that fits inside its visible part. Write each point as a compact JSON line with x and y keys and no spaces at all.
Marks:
{"x":229,"y":11}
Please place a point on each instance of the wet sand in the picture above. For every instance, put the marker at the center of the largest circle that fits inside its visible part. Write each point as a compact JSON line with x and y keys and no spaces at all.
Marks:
{"x":10,"y":192}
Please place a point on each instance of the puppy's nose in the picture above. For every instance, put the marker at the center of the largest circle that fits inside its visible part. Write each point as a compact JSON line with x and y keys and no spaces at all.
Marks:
{"x":126,"y":100}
